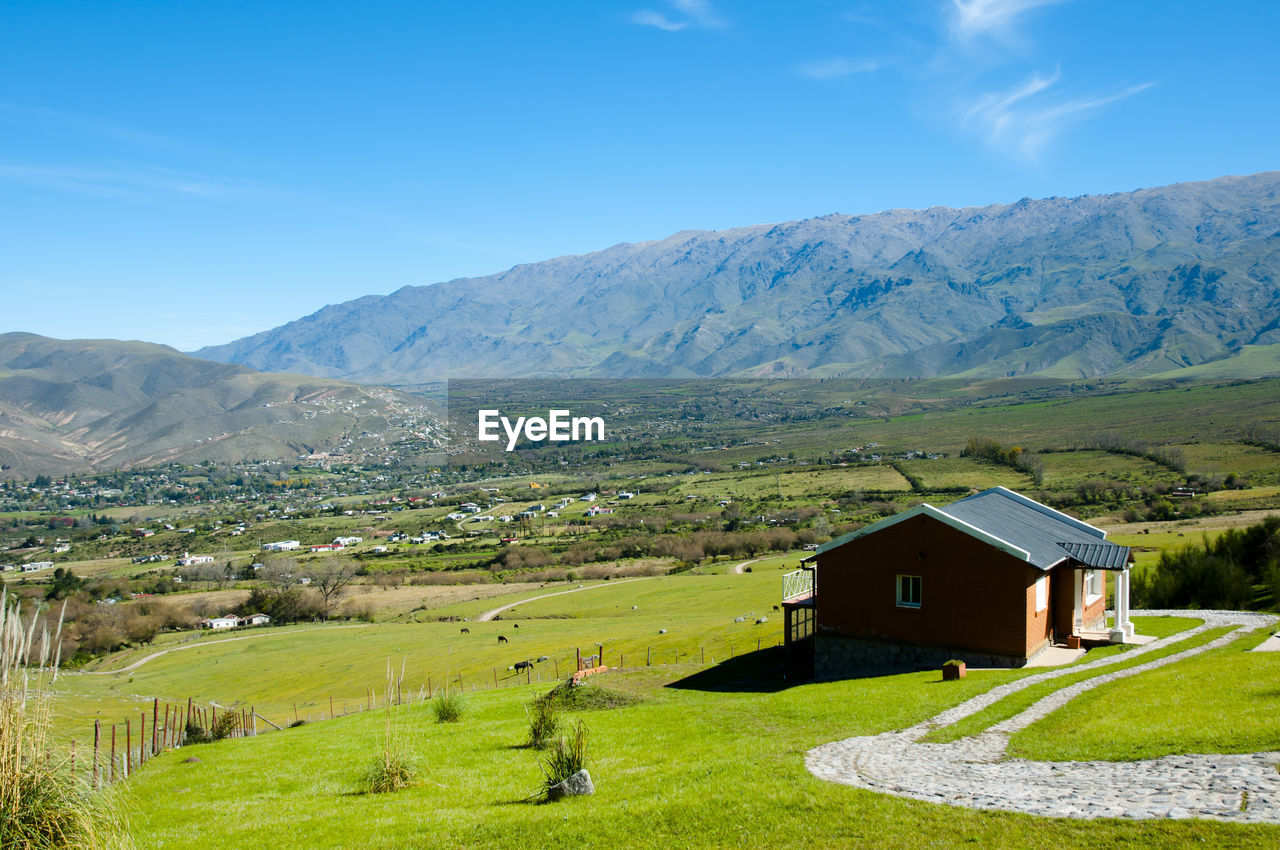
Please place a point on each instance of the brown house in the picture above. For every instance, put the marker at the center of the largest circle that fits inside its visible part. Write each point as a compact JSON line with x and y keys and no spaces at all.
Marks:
{"x":992,"y":579}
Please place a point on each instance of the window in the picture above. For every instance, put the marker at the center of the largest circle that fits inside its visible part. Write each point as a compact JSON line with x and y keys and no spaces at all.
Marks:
{"x":1042,"y":593}
{"x":909,"y":591}
{"x":1094,"y":585}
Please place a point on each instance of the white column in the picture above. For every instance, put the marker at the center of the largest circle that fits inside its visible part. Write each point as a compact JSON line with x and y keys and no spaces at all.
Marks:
{"x":1123,"y":628}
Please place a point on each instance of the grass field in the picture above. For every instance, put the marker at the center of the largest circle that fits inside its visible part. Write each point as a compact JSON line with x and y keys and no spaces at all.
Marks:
{"x":700,"y":764}
{"x":275,"y":670}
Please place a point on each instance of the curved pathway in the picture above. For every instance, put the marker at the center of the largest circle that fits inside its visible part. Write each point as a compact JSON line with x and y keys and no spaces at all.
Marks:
{"x":976,"y":772}
{"x":493,"y":612}
{"x":199,"y":643}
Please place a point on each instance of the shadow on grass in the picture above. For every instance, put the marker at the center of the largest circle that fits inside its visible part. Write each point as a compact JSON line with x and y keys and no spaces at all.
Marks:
{"x":764,"y":671}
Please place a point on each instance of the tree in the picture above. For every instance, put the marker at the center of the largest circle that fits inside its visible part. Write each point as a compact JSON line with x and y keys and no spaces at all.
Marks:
{"x":329,"y":576}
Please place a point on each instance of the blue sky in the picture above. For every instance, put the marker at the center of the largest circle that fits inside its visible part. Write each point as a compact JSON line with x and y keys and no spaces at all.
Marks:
{"x":189,"y":173}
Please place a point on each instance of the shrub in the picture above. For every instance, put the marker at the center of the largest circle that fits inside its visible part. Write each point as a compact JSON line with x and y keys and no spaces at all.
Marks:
{"x":195,"y":734}
{"x":544,"y":722}
{"x":565,"y":758}
{"x":223,"y":727}
{"x":447,"y":707}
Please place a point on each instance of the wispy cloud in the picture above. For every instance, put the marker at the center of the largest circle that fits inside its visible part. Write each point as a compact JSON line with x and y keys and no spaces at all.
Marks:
{"x":1025,"y":118}
{"x":827,"y":69}
{"x":683,"y":14}
{"x":972,"y":18}
{"x":128,"y":182}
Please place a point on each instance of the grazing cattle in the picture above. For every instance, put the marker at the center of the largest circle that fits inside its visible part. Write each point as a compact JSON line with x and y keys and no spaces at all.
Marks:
{"x":502,"y":639}
{"x":466,"y":631}
{"x":776,"y":608}
{"x":515,"y":625}
{"x":521,"y":665}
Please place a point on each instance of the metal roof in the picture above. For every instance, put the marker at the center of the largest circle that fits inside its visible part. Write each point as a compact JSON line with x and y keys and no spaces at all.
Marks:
{"x":1048,"y":536}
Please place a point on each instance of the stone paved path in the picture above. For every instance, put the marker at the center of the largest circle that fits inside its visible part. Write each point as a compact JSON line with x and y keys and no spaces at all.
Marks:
{"x":976,"y":772}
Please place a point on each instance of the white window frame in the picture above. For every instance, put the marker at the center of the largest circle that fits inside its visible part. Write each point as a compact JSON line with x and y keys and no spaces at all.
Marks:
{"x":904,"y":581}
{"x":1090,"y":577}
{"x":1042,"y":593}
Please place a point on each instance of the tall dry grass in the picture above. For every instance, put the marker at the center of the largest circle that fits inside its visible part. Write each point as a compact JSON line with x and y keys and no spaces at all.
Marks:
{"x":394,"y":766}
{"x":43,"y":802}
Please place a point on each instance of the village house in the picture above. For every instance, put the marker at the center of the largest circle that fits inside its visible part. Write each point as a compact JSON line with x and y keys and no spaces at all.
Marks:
{"x":281,"y":546}
{"x":189,"y":560}
{"x":219,"y":623}
{"x":993,"y":579}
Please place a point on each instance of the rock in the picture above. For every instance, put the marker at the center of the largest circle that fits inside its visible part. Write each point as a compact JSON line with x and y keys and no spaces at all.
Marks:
{"x":739,"y":619}
{"x":662,"y":631}
{"x":542,"y":658}
{"x":578,"y":785}
{"x":762,"y":620}
{"x":193,"y":760}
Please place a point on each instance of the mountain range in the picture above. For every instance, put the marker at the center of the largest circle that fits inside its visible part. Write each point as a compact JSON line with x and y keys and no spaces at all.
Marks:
{"x":1137,"y":283}
{"x":85,"y":405}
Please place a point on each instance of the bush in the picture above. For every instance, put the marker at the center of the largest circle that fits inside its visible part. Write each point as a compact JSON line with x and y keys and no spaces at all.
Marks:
{"x":195,"y":734}
{"x":447,"y":707}
{"x":566,"y":757}
{"x":544,"y":723}
{"x":223,"y":727}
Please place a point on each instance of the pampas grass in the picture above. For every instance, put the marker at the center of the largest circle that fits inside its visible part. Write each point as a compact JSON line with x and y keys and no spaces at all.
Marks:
{"x":43,"y":802}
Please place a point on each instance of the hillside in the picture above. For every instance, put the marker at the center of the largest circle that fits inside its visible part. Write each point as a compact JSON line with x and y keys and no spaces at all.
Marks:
{"x":1127,"y":284}
{"x":81,"y":405}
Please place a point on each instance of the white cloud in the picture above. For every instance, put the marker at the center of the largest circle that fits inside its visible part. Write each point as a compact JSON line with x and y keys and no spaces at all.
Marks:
{"x":685,"y":14}
{"x":650,"y":18}
{"x":127,"y":182}
{"x":1024,"y":119}
{"x":971,"y":18}
{"x":827,"y":69}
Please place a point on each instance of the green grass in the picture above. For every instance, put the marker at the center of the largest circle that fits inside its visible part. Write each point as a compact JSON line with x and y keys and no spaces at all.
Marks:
{"x":280,"y":671}
{"x":1224,"y":701}
{"x":1019,"y":701}
{"x":689,"y":768}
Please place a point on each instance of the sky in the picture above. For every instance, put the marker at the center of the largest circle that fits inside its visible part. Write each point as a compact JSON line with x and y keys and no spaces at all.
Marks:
{"x":189,"y":173}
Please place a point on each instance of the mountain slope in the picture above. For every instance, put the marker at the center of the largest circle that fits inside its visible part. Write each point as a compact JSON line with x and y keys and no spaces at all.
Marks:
{"x":1132,"y":283}
{"x":79,"y":405}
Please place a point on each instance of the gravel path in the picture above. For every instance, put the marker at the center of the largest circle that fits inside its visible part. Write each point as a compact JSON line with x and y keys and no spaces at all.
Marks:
{"x":493,"y":612}
{"x":976,"y":772}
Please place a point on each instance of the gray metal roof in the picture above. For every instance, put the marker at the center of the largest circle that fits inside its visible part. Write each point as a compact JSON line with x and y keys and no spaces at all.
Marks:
{"x":1048,"y":536}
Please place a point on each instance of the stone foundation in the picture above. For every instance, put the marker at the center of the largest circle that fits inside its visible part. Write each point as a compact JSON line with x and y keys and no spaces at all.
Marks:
{"x":841,"y":657}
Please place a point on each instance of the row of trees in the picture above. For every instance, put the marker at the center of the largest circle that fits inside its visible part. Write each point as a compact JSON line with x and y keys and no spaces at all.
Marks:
{"x":1238,"y":570}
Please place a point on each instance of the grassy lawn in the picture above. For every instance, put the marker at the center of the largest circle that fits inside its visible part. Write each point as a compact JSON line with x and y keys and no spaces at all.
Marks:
{"x":684,"y":767}
{"x":1235,"y":709}
{"x":1021,"y":700}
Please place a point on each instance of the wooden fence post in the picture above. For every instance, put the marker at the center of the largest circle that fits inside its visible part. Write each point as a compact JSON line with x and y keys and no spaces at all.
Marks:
{"x":113,"y":752}
{"x":155,"y":726}
{"x":128,"y":749}
{"x":97,"y":739}
{"x":142,"y":739}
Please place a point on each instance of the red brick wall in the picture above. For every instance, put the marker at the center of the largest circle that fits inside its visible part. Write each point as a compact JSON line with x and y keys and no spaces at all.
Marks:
{"x":973,"y":595}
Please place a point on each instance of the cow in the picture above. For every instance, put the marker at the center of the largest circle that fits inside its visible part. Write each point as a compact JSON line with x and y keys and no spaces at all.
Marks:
{"x":515,"y":625}
{"x":521,"y":665}
{"x":466,"y":631}
{"x":503,"y":639}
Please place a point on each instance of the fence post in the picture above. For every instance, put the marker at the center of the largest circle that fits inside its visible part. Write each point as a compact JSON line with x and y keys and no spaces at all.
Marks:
{"x":495,"y":677}
{"x":113,"y":753}
{"x":330,"y":706}
{"x":128,"y":749}
{"x":155,"y":724}
{"x":142,"y":739}
{"x":703,"y":651}
{"x":557,"y":662}
{"x":648,"y":656}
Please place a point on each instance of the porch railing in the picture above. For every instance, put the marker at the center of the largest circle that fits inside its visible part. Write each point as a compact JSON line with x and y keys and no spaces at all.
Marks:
{"x":799,"y":584}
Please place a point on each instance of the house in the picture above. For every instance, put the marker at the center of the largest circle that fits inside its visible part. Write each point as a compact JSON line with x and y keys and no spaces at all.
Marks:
{"x":327,"y":547}
{"x":993,"y":579}
{"x":36,"y":566}
{"x":281,"y":546}
{"x":254,"y":620}
{"x":189,"y":560}
{"x":347,"y":541}
{"x":219,"y":623}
